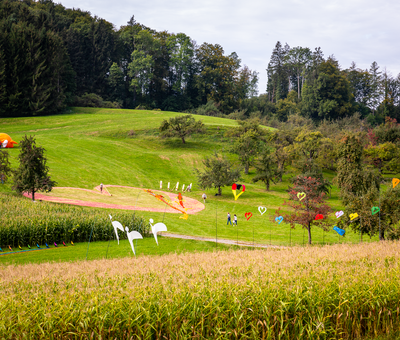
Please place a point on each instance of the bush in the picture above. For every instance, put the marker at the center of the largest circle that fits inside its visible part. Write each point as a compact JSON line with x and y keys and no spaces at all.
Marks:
{"x":209,"y":109}
{"x":94,"y":100}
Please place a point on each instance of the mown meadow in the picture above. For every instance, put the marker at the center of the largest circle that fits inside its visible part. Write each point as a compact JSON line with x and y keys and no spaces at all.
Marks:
{"x":122,"y":147}
{"x":330,"y":292}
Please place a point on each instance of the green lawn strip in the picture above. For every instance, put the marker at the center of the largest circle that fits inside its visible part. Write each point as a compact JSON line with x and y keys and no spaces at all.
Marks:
{"x":98,"y":250}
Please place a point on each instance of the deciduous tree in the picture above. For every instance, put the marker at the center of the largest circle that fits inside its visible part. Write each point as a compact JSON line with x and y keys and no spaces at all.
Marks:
{"x":218,"y":172}
{"x":181,"y":126}
{"x":310,"y":210}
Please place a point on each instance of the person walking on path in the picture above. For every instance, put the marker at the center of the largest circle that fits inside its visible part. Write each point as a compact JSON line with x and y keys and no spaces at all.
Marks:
{"x":235,"y":220}
{"x":204,"y":196}
{"x":229,"y":219}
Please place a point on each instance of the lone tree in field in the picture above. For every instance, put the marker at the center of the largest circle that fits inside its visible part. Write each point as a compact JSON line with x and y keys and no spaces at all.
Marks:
{"x":181,"y":126}
{"x":5,"y":168}
{"x":218,"y":173}
{"x":306,"y":209}
{"x":266,"y":169}
{"x":32,"y":173}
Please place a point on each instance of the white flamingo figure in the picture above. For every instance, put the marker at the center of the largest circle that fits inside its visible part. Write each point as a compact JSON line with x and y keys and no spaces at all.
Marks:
{"x":156,"y":228}
{"x":116,"y":226}
{"x":133,"y":235}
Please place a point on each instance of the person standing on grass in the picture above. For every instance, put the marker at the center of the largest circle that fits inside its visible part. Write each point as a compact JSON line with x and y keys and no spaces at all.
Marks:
{"x":101,"y":187}
{"x":229,"y":219}
{"x":235,"y":220}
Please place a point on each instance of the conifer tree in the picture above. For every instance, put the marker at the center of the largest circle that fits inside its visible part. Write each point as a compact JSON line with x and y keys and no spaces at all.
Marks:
{"x":32,"y":173}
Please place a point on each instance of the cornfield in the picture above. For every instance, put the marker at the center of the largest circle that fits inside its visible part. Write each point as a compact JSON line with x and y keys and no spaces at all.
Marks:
{"x":331,"y":292}
{"x":23,"y":222}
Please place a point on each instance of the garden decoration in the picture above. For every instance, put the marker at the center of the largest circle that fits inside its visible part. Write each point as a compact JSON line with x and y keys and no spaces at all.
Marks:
{"x":47,"y":246}
{"x":168,"y":202}
{"x":19,"y":247}
{"x":262,"y":210}
{"x":29,"y":247}
{"x":6,"y":141}
{"x":180,"y":200}
{"x":177,"y":186}
{"x":339,"y":213}
{"x":319,"y":217}
{"x":64,"y":244}
{"x":72,"y":243}
{"x":237,"y":187}
{"x":341,"y":232}
{"x":9,"y":247}
{"x":183,"y":187}
{"x":55,"y":245}
{"x":157,"y":228}
{"x":133,"y":235}
{"x":168,"y":185}
{"x":395,"y":181}
{"x":279,"y":219}
{"x":353,"y":216}
{"x":301,"y":195}
{"x":248,"y":215}
{"x":374,"y":210}
{"x":116,"y":225}
{"x":37,"y":246}
{"x":1,"y":249}
{"x":160,"y":184}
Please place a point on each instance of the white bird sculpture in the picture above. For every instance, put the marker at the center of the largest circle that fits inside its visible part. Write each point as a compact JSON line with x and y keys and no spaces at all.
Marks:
{"x":156,"y":228}
{"x":133,"y":235}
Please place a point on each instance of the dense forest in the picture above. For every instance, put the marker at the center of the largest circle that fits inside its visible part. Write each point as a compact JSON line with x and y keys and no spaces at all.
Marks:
{"x":52,"y":57}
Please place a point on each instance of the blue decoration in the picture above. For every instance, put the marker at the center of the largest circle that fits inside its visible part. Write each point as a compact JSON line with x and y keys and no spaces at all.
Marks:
{"x":279,"y":219}
{"x":341,"y":232}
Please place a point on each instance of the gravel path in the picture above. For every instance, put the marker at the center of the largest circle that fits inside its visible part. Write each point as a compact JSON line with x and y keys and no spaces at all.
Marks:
{"x":220,"y":240}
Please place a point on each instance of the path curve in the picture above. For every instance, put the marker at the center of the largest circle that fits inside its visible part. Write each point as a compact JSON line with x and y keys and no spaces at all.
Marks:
{"x":224,"y":241}
{"x":193,"y":206}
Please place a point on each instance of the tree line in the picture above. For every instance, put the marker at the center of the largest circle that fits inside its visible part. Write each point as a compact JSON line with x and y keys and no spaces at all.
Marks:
{"x":52,"y":57}
{"x":301,"y":80}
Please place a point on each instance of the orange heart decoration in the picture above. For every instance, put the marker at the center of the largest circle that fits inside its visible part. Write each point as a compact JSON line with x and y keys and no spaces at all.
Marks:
{"x":395,"y":181}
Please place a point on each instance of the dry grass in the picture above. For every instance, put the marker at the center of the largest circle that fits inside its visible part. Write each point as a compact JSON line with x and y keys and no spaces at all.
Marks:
{"x":332,"y":292}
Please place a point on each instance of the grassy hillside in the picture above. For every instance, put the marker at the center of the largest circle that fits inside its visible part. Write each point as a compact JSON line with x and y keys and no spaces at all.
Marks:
{"x":122,"y":147}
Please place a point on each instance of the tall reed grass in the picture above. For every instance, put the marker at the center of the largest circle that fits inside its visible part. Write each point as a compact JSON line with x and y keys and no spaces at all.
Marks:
{"x":23,"y":222}
{"x":332,"y":292}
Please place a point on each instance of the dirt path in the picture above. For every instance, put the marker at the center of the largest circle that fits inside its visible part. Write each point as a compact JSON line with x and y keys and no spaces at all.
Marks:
{"x":224,"y":241}
{"x":193,"y":206}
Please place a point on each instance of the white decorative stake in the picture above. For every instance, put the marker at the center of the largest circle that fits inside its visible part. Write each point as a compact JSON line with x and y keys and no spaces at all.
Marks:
{"x":116,"y":226}
{"x":183,"y":187}
{"x":177,"y":186}
{"x":160,"y":184}
{"x":133,"y":235}
{"x":168,"y":185}
{"x":157,"y":228}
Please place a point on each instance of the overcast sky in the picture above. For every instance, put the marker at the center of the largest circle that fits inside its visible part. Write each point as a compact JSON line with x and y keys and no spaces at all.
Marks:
{"x":362,"y":31}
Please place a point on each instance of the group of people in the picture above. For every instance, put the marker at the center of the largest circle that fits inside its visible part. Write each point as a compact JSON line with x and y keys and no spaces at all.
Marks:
{"x":230,"y":221}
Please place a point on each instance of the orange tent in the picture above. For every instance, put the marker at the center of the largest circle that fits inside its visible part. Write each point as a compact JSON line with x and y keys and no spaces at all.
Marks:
{"x":6,"y":141}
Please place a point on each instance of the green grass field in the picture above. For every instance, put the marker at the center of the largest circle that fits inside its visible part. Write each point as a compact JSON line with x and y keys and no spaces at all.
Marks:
{"x":122,"y":147}
{"x":103,"y":250}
